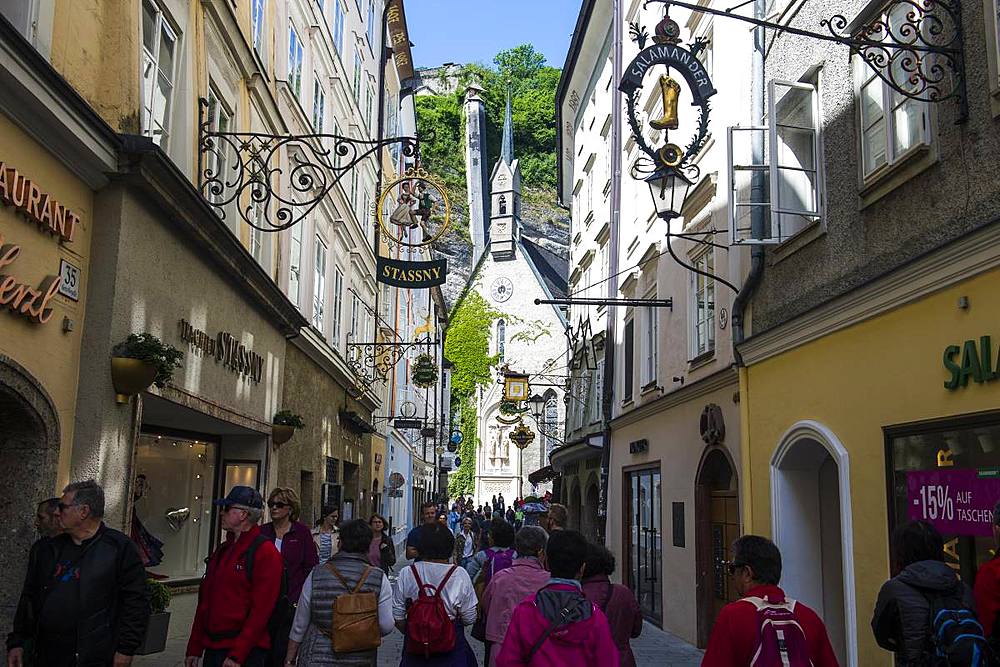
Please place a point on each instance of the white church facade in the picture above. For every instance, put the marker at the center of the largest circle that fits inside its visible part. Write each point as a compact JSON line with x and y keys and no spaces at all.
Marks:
{"x":512,"y":272}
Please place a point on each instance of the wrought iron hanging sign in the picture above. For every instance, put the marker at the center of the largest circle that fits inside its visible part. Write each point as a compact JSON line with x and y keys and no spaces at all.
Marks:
{"x":420,"y":217}
{"x":274,"y":181}
{"x":666,"y":51}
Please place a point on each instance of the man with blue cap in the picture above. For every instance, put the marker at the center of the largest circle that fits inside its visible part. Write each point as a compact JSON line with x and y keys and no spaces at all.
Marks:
{"x":239,"y":591}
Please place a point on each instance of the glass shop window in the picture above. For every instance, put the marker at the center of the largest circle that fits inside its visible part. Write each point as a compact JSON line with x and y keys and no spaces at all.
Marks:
{"x":172,"y":505}
{"x":950,"y":476}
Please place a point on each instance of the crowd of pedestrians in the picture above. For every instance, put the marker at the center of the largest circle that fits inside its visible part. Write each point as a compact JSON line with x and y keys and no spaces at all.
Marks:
{"x":279,"y":593}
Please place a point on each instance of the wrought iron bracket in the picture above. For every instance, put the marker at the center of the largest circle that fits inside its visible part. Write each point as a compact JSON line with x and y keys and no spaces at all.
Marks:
{"x":274,"y":181}
{"x":920,"y":55}
{"x":372,"y":362}
{"x":644,"y":303}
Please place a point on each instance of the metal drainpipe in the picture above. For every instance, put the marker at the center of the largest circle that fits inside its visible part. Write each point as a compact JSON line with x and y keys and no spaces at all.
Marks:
{"x":758,"y":187}
{"x":607,"y":395}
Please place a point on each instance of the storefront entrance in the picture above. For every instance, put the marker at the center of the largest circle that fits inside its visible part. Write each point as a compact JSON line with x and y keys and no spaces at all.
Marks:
{"x":184,"y":460}
{"x":717,"y":518}
{"x":29,"y":451}
{"x":812,"y":525}
{"x":643,"y":539}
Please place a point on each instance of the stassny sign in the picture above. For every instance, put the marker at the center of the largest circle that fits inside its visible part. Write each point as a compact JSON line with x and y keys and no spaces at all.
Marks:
{"x":416,"y":275}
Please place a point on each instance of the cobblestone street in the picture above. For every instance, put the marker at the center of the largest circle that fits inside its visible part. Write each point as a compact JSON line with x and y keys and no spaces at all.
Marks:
{"x":653,"y":647}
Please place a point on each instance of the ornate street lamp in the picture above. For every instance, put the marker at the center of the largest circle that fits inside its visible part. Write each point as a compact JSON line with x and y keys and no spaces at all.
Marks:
{"x":669,"y":189}
{"x":537,"y":405}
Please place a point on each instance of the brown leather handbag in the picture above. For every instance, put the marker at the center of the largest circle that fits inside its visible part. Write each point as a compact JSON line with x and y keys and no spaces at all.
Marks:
{"x":355,"y":617}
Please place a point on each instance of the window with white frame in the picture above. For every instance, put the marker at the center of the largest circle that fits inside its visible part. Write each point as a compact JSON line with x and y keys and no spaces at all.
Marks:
{"x":23,"y":15}
{"x":501,"y":339}
{"x":319,"y":104}
{"x":550,"y":421}
{"x":628,"y":357}
{"x":337,"y":25}
{"x":220,"y":119}
{"x":338,"y":305}
{"x":369,"y":103}
{"x":792,"y":166}
{"x":358,"y":68}
{"x":258,"y":15}
{"x":355,"y":317}
{"x":319,"y":285}
{"x":159,"y":56}
{"x":257,"y":240}
{"x":891,"y":123}
{"x":294,"y":61}
{"x":354,"y":191}
{"x":295,"y":264}
{"x":703,"y":306}
{"x":336,"y":133}
{"x":795,"y":156}
{"x":650,"y":344}
{"x":371,"y":25}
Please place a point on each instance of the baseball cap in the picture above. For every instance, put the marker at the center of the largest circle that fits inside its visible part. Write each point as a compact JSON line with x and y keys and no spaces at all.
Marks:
{"x":242,"y":495}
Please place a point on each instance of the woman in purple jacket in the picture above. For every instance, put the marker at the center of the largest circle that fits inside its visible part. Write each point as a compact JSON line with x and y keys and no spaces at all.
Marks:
{"x":298,"y":551}
{"x":616,"y":601}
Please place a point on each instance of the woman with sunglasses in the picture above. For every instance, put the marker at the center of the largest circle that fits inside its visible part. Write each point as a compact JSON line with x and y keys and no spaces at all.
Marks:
{"x":295,"y":543}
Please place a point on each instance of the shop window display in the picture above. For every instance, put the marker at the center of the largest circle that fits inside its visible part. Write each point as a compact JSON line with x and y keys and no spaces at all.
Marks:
{"x":949,"y":475}
{"x":172,"y":504}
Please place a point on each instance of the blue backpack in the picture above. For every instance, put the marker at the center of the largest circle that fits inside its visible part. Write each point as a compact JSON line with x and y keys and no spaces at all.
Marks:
{"x":957,"y":636}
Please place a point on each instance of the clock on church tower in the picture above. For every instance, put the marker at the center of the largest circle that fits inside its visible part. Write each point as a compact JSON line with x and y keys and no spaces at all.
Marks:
{"x":502,"y":289}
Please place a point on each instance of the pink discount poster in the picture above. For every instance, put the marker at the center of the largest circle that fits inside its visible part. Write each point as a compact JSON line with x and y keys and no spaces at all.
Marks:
{"x":955,"y":501}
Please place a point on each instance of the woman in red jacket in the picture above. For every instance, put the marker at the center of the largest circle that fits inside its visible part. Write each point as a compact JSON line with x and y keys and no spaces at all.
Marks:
{"x":616,"y":601}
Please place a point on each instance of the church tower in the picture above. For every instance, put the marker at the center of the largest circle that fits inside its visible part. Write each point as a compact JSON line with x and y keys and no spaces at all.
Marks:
{"x":505,"y":189}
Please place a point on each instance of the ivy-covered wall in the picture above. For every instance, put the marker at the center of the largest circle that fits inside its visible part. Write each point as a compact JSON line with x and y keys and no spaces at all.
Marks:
{"x":468,"y":347}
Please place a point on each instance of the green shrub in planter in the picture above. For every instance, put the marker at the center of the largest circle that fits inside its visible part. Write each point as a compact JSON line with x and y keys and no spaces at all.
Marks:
{"x":288,"y":418}
{"x":151,"y":350}
{"x":159,"y":595}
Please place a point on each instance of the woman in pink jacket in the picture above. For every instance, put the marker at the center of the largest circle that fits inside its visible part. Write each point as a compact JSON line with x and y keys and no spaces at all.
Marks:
{"x":509,"y":587}
{"x":558,"y":626}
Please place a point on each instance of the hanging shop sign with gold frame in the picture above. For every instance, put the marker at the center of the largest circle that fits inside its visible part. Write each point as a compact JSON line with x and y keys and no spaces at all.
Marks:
{"x":421,"y":216}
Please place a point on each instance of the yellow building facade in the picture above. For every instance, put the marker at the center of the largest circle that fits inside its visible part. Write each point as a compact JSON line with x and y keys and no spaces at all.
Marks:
{"x":854,"y":410}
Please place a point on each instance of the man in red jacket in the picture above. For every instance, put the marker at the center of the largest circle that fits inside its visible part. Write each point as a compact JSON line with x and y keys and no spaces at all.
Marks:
{"x":987,"y":588}
{"x":756,"y":571}
{"x":237,"y":598}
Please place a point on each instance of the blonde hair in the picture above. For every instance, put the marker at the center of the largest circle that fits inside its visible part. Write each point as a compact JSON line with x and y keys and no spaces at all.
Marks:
{"x":289,"y":496}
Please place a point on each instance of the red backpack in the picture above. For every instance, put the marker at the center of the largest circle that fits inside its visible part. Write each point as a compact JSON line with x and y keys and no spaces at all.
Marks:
{"x":428,"y":628}
{"x":782,"y":640}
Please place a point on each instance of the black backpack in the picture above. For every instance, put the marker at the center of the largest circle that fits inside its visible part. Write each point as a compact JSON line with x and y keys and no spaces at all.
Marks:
{"x":957,"y":636}
{"x":284,"y":610}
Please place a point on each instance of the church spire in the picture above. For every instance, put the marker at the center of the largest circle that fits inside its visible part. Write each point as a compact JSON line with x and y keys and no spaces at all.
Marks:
{"x":507,"y":143}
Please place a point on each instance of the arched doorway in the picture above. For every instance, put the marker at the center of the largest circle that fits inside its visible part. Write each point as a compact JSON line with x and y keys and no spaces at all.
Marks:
{"x":812,"y":525}
{"x":29,"y":453}
{"x":588,"y":515}
{"x":575,"y":507}
{"x":717,"y":525}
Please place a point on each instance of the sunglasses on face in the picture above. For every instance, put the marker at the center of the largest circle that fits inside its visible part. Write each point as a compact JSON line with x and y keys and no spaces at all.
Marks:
{"x":732,"y":567}
{"x":276,"y":505}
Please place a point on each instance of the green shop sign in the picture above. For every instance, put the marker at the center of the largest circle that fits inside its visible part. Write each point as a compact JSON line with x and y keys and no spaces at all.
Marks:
{"x":971,"y":360}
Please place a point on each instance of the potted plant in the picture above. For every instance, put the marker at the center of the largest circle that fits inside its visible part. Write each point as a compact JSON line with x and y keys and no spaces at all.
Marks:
{"x":425,"y":372}
{"x":283,"y":426}
{"x":139,"y":361}
{"x":155,"y":640}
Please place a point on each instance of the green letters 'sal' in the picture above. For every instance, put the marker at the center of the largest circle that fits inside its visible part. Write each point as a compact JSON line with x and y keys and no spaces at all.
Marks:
{"x":970,"y":364}
{"x":949,"y":363}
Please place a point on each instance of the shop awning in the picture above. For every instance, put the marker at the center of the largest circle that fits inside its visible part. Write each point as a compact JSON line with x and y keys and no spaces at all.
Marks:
{"x":542,"y":475}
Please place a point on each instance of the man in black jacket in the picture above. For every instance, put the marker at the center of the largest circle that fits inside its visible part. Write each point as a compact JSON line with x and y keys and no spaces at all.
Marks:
{"x":84,"y":601}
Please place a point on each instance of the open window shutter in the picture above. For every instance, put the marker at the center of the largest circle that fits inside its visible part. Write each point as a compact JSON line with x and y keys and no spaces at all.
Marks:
{"x":742,"y":164}
{"x":793,"y":149}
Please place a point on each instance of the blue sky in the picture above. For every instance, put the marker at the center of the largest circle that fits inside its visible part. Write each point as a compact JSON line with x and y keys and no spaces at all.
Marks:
{"x":463,"y":31}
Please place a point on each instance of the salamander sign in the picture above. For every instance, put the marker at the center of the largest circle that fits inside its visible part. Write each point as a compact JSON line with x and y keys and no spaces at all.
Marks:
{"x":415,"y":275}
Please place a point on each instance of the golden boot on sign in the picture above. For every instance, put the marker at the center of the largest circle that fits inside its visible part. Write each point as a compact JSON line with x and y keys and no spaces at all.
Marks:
{"x":671,"y":91}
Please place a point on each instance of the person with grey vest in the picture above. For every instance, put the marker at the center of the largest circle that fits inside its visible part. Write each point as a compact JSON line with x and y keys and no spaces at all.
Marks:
{"x":309,"y":642}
